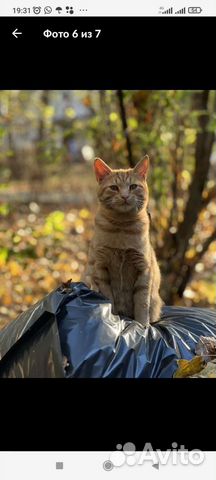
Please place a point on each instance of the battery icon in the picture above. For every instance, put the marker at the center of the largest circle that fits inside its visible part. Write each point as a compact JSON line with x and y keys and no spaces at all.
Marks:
{"x":194,"y":10}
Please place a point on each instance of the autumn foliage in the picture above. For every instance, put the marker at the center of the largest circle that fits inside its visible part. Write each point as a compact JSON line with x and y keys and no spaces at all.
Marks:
{"x":48,"y":140}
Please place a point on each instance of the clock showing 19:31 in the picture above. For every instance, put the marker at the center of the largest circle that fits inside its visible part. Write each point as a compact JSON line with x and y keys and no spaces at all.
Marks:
{"x":22,"y":11}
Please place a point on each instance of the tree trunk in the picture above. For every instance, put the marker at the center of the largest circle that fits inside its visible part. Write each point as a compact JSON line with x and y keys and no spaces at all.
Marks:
{"x":204,"y":143}
{"x":120,"y":97}
{"x":36,"y":171}
{"x":176,"y":269}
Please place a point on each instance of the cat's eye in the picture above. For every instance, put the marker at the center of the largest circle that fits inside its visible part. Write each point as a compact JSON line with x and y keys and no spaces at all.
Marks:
{"x":114,"y":188}
{"x":133,"y":186}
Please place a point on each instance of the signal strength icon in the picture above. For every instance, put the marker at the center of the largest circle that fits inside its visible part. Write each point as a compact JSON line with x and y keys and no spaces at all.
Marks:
{"x":181,"y":12}
{"x":168,"y":12}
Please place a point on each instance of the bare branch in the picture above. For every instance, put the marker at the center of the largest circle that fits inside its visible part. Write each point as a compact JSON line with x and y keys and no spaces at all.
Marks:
{"x":211,"y":195}
{"x":120,"y":96}
{"x":206,"y":244}
{"x":175,"y":169}
{"x":189,"y":268}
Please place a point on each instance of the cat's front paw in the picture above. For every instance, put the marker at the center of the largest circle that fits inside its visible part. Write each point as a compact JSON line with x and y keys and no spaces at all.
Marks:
{"x":89,"y":282}
{"x":145,"y":325}
{"x":95,"y":287}
{"x":143,"y":322}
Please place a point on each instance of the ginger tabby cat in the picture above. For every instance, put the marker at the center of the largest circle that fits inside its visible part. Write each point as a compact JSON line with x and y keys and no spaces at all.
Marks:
{"x":122,"y":264}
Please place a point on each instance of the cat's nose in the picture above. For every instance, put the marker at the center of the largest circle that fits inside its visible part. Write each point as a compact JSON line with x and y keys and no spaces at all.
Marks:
{"x":125,"y":196}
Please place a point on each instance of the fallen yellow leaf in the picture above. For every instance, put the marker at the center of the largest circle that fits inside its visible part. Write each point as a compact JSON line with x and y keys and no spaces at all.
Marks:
{"x":189,"y":367}
{"x":14,"y":268}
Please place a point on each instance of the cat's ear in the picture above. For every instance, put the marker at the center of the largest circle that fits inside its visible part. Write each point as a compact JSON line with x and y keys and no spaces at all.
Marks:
{"x":142,"y":167}
{"x":101,"y":169}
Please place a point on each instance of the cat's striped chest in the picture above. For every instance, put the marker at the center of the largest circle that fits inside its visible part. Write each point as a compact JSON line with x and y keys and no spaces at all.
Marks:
{"x":120,"y":261}
{"x":131,"y":234}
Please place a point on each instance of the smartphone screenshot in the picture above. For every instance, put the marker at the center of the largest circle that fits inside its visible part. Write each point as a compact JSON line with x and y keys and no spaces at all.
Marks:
{"x":107,"y":239}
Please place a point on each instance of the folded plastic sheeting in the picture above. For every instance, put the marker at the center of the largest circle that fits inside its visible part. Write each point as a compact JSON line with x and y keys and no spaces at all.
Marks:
{"x":77,"y":323}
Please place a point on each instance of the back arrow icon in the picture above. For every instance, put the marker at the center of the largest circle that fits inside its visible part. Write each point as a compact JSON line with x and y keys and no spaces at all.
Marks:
{"x":15,"y":33}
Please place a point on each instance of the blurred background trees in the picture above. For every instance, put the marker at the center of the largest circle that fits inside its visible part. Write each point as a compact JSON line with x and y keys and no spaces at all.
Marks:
{"x":48,"y":140}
